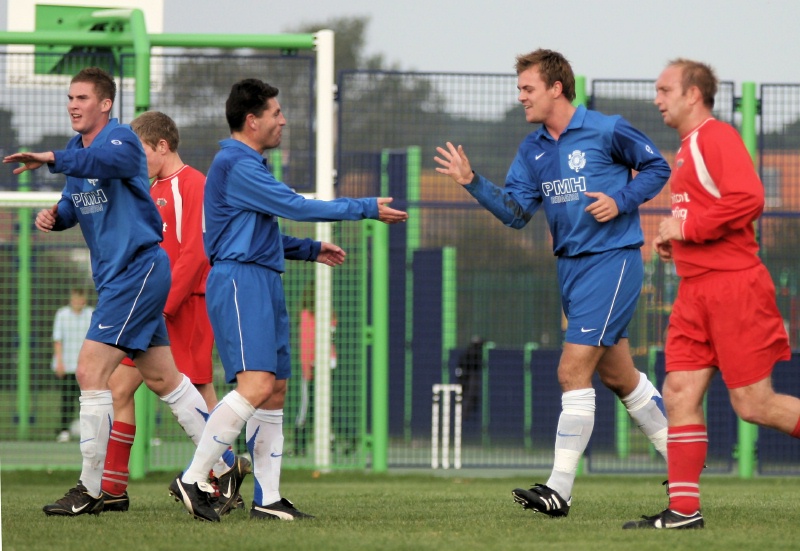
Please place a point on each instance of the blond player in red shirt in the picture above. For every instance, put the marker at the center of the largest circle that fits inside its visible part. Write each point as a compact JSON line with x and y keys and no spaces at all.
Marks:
{"x":725,"y":318}
{"x":177,"y":191}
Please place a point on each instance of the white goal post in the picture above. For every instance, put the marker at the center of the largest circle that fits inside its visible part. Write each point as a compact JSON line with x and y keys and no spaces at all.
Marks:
{"x":29,"y":199}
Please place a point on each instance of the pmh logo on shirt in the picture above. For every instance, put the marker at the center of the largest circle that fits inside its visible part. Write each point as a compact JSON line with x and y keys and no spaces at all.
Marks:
{"x":577,"y":160}
{"x":90,"y":202}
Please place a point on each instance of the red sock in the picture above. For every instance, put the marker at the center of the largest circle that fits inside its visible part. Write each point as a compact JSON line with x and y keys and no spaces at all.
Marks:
{"x":687,"y":447}
{"x":796,"y":431}
{"x":115,"y":470}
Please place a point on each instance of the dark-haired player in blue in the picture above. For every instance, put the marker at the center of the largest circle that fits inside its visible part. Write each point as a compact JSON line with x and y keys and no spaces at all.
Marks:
{"x":578,"y":166}
{"x":245,"y":296}
{"x":107,"y":194}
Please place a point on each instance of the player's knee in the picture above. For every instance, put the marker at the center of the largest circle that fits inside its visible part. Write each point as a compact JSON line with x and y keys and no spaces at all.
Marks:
{"x":616,"y":384}
{"x":121,"y":396}
{"x":752,"y":411}
{"x":157,"y":384}
{"x":754,"y":403}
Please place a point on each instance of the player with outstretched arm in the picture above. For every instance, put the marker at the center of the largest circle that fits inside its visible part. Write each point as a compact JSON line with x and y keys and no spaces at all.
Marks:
{"x":578,"y":167}
{"x":245,"y":296}
{"x":106,"y":194}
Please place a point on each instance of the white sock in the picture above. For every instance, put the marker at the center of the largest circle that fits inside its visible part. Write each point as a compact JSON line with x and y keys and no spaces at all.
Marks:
{"x":97,"y":416}
{"x":188,"y":407}
{"x":572,"y":436}
{"x":223,"y":427}
{"x":646,"y":408}
{"x":220,"y":467}
{"x":265,"y":441}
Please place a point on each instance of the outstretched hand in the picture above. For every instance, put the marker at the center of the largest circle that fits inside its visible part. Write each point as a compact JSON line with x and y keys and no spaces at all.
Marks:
{"x":31,"y":161}
{"x":331,"y":255}
{"x":387,"y":214}
{"x":454,"y":163}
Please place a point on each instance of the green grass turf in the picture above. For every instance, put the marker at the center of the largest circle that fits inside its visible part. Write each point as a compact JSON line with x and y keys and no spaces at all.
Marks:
{"x":409,"y":511}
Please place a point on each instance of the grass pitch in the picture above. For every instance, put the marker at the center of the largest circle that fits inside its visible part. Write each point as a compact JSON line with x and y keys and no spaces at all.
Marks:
{"x":409,"y":511}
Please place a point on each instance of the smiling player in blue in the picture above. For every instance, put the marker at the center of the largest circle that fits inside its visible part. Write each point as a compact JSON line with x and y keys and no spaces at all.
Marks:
{"x":107,"y":195}
{"x":245,"y":297}
{"x":578,"y":166}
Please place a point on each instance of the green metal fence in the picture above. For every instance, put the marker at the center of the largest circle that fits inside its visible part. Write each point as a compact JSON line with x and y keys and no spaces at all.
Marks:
{"x":410,"y":297}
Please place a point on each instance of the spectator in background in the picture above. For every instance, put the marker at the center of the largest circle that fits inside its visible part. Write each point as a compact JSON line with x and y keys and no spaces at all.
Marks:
{"x":469,"y":373}
{"x":69,"y":329}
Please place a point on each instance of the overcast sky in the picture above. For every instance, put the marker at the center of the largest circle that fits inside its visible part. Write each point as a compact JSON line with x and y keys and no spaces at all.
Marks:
{"x":754,"y":40}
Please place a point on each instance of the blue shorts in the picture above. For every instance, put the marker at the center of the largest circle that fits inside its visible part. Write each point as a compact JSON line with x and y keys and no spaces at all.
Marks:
{"x":130,"y":309}
{"x":247,"y":309}
{"x":599,"y":293}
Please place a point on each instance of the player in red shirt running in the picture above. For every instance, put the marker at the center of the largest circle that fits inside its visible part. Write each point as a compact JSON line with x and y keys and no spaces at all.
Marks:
{"x":725,"y":317}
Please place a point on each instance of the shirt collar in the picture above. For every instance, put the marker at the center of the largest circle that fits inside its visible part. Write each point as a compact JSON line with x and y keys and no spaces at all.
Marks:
{"x":575,"y":122}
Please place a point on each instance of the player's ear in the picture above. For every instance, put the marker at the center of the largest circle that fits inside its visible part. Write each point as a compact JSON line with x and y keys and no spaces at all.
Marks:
{"x":695,"y":95}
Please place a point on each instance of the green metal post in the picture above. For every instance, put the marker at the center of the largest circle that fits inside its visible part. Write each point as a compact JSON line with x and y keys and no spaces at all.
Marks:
{"x":622,"y":434}
{"x":380,"y":348}
{"x":527,"y":377}
{"x":276,"y":163}
{"x":140,"y":451}
{"x":103,"y":40}
{"x":24,"y":315}
{"x":449,"y":308}
{"x":413,"y":170}
{"x":141,"y":60}
{"x":748,"y":433}
{"x":143,"y":399}
{"x":234,"y":41}
{"x":366,"y":329}
{"x":485,"y":417}
{"x":652,"y":355}
{"x":141,"y":42}
{"x":580,"y":90}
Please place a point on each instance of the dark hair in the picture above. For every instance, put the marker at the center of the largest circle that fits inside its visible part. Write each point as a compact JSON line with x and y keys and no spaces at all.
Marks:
{"x":153,"y":126}
{"x":247,"y":96}
{"x":553,"y":67}
{"x":104,"y":85}
{"x":698,"y":74}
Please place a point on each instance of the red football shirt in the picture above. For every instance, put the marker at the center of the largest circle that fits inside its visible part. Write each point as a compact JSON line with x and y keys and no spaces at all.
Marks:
{"x":716,"y":192}
{"x":179,"y":199}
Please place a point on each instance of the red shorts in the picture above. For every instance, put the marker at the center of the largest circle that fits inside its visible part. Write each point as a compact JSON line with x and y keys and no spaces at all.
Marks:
{"x":191,"y":341}
{"x":728,"y":320}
